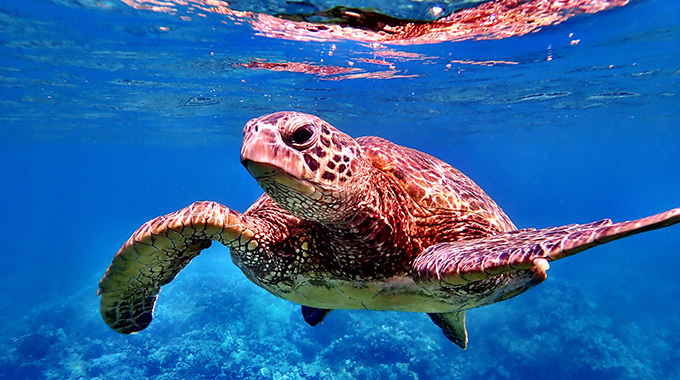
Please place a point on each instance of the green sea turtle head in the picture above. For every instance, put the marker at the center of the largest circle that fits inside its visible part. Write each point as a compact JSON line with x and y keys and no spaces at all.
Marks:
{"x":308,"y":167}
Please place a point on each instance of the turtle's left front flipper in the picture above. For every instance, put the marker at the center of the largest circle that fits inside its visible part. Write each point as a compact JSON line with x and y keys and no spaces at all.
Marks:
{"x":463,"y":262}
{"x":157,"y":252}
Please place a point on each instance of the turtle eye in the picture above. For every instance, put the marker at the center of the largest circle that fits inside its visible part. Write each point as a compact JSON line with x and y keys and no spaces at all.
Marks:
{"x":302,"y":136}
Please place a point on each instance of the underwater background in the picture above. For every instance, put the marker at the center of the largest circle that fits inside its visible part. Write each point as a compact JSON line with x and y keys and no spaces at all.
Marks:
{"x":115,"y":112}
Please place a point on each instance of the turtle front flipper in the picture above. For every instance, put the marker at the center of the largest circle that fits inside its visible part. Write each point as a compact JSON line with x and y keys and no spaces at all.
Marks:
{"x":464,"y":262}
{"x":157,"y":252}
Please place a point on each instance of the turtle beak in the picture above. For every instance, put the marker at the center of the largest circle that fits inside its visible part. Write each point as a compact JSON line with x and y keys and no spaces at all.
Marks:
{"x":268,"y":159}
{"x":259,"y":170}
{"x":264,"y":154}
{"x":265,"y":173}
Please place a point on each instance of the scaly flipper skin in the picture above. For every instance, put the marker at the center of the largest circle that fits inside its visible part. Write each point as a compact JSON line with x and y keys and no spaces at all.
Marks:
{"x":462,"y":262}
{"x":157,"y":252}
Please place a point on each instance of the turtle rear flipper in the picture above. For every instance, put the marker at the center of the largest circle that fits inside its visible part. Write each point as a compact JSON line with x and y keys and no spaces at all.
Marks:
{"x":157,"y":252}
{"x":453,"y":326}
{"x":313,"y":316}
{"x":463,"y":262}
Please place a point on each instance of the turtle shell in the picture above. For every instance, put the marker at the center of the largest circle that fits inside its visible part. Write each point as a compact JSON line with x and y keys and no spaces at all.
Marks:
{"x":433,"y":184}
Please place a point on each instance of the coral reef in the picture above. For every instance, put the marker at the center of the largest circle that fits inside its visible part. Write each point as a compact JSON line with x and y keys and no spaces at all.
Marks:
{"x":215,"y":326}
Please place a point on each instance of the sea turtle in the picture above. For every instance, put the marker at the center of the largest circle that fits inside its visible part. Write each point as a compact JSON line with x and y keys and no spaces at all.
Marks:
{"x":352,"y":224}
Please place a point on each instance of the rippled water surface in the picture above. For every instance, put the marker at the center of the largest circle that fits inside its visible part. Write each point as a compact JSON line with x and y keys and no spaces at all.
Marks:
{"x":114,"y":112}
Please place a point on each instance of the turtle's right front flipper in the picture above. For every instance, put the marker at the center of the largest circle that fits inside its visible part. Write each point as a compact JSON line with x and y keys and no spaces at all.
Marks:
{"x":157,"y":252}
{"x":464,"y":262}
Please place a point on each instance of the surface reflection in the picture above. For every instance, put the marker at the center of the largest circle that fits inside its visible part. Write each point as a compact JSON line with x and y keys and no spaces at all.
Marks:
{"x":492,"y":20}
{"x":380,"y":63}
{"x":297,"y":67}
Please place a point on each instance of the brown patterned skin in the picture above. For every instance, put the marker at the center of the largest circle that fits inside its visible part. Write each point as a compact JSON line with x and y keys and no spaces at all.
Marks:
{"x":352,"y":224}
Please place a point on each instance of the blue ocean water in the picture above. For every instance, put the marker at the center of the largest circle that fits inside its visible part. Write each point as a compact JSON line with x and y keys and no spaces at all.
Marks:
{"x":110,"y":116}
